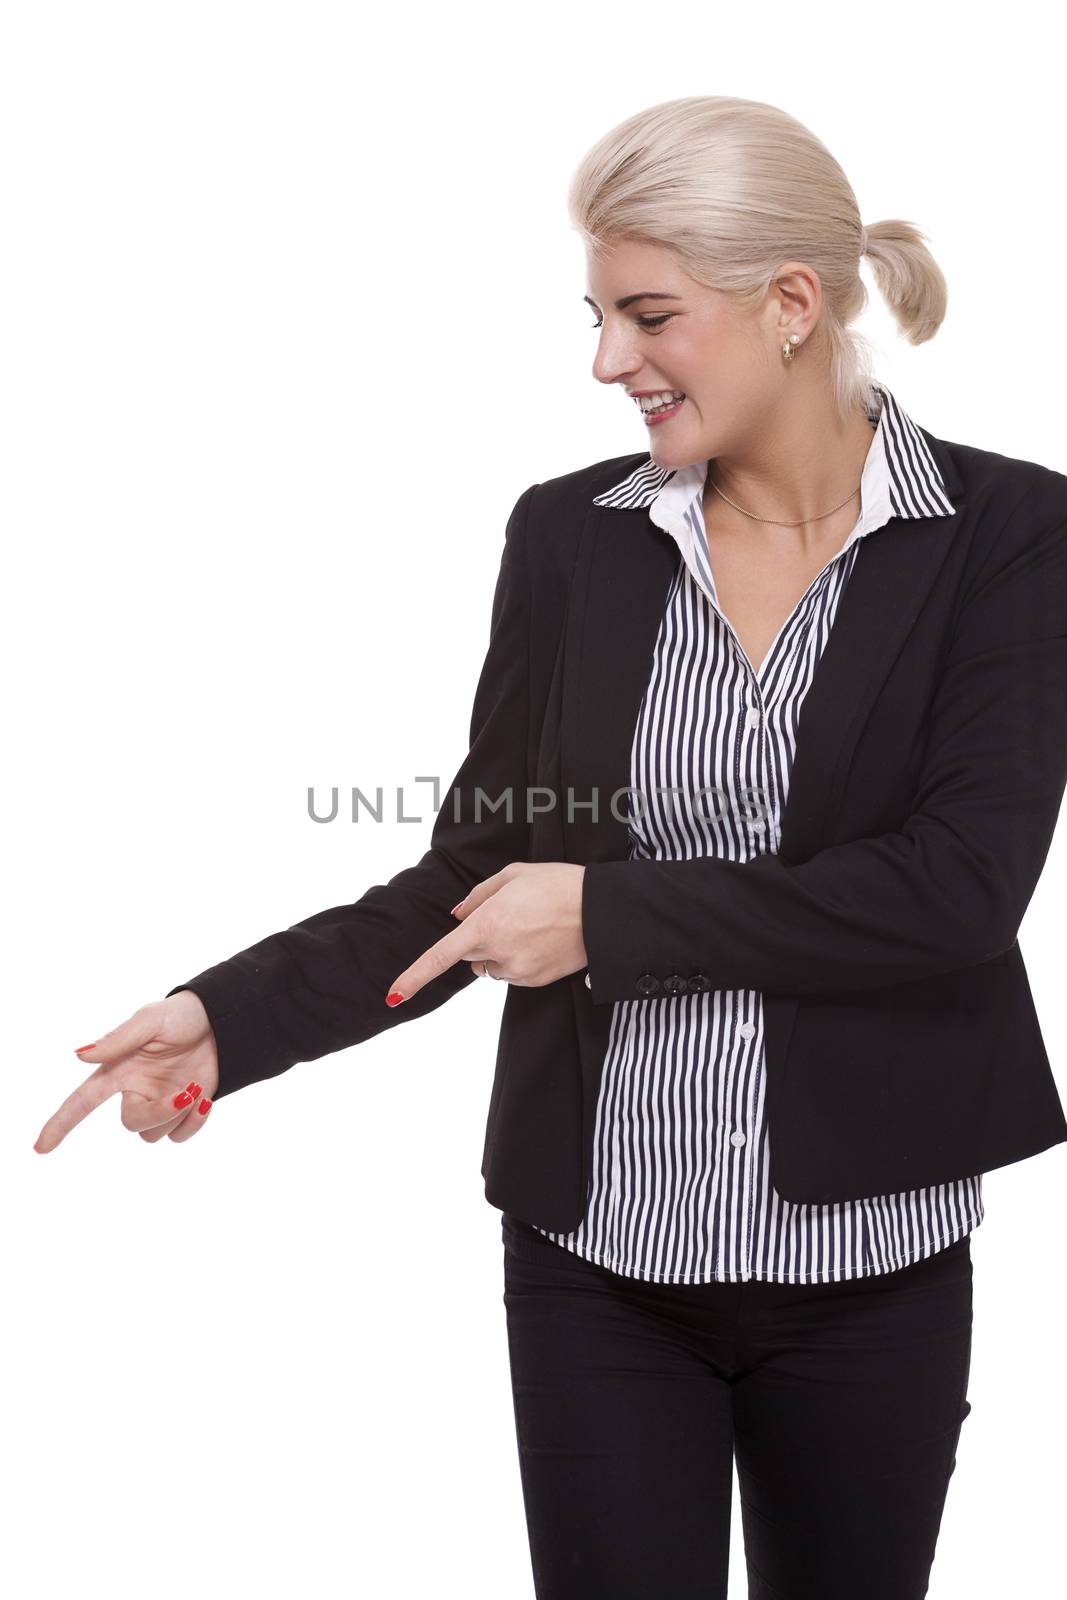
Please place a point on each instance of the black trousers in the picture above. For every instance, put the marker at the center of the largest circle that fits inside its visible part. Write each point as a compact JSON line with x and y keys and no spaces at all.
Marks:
{"x":842,"y":1404}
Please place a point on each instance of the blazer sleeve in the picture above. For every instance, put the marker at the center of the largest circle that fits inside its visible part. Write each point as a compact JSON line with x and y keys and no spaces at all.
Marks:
{"x":320,"y":985}
{"x":947,"y":890}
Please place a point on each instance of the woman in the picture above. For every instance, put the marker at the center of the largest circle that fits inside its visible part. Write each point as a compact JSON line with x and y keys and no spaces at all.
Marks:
{"x":766,"y":757}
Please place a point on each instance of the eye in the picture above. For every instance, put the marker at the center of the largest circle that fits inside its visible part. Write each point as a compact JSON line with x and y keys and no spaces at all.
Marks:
{"x":645,"y":322}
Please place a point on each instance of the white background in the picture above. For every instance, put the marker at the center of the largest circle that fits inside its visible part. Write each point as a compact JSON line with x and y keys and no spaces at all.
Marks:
{"x":292,"y":316}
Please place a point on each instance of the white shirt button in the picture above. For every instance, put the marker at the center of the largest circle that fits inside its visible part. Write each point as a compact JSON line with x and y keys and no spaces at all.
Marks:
{"x":737,"y":1139}
{"x":753,"y":719}
{"x":588,"y":981}
{"x":747,"y":1029}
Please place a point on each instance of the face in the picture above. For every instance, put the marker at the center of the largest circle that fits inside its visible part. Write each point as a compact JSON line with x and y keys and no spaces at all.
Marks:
{"x":682,"y":337}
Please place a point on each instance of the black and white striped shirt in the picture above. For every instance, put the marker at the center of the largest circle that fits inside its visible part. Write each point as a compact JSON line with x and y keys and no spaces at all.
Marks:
{"x":680,"y":1188}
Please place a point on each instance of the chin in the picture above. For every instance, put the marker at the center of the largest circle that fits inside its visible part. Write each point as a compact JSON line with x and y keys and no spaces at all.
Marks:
{"x":682,"y":453}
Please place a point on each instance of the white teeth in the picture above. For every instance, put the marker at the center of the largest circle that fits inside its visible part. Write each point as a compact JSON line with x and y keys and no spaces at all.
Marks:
{"x":652,"y":402}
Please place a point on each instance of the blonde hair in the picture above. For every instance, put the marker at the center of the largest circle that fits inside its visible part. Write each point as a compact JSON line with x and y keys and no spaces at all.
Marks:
{"x":736,"y":187}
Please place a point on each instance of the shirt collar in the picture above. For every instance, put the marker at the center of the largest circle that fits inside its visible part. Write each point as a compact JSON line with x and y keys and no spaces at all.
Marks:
{"x":900,"y":476}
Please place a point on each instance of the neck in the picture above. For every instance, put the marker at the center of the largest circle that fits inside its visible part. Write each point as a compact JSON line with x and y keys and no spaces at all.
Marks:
{"x":800,"y":465}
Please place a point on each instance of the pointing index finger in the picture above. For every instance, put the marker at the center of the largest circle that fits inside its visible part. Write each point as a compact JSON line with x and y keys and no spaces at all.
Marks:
{"x":98,"y":1087}
{"x":463,"y":943}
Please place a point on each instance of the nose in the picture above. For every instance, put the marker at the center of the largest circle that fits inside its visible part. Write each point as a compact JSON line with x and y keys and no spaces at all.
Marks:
{"x":616,"y":360}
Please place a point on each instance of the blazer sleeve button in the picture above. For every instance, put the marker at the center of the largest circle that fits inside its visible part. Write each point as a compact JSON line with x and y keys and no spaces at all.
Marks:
{"x":675,"y":984}
{"x":699,"y":983}
{"x":588,"y":981}
{"x":647,"y":984}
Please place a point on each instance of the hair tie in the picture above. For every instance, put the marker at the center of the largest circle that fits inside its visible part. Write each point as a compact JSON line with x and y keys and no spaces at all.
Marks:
{"x":863,"y":240}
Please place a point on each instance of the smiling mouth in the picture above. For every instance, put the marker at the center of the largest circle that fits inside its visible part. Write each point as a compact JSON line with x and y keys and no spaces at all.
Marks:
{"x":649,"y":408}
{"x":662,"y":413}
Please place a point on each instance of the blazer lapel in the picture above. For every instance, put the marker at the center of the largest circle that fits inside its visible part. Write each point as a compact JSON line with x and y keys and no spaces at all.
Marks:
{"x":622,"y":575}
{"x":887,"y":589}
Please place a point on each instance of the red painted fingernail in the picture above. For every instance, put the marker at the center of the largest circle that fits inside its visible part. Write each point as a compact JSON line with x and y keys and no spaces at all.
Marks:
{"x":193,"y":1089}
{"x":183,"y":1099}
{"x":82,"y":1047}
{"x":394,"y":999}
{"x":204,"y":1107}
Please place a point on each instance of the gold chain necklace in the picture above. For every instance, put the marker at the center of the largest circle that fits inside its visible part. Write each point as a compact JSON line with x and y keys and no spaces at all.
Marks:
{"x":775,"y":520}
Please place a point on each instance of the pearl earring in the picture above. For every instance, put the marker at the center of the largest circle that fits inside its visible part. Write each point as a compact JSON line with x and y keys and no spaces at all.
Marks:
{"x":788,"y":349}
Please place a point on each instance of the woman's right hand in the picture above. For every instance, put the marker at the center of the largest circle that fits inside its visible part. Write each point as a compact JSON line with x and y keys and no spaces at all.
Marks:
{"x":164,"y":1062}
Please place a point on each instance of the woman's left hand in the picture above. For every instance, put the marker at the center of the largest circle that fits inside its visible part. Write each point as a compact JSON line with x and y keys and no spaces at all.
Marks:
{"x":524,"y":924}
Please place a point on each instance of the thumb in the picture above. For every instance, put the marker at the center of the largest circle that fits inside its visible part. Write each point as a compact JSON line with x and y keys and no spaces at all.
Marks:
{"x":122,"y":1041}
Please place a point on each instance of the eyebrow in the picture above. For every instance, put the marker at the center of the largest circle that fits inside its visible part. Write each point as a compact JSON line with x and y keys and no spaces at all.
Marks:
{"x":628,"y":299}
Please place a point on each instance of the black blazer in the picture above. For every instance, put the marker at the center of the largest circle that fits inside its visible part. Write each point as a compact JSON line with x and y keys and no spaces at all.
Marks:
{"x":902,"y":1044}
